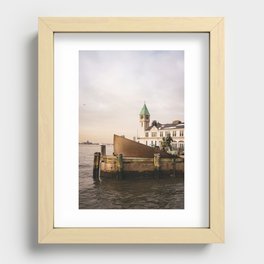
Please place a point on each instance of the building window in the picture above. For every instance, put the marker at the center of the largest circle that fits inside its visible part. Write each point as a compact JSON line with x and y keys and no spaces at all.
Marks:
{"x":146,"y":134}
{"x":161,"y":134}
{"x":155,"y":143}
{"x":146,"y":143}
{"x":167,"y":133}
{"x":174,"y":134}
{"x":151,"y":142}
{"x":181,"y":145}
{"x":153,"y":134}
{"x":181,"y":133}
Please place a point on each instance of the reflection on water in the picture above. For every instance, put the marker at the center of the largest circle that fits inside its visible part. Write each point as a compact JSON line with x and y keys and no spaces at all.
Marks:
{"x":125,"y":194}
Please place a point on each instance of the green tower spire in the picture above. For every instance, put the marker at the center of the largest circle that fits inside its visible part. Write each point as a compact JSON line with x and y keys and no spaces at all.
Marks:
{"x":144,"y":111}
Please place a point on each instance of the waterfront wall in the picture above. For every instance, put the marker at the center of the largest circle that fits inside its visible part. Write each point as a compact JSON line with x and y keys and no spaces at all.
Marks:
{"x":141,"y":166}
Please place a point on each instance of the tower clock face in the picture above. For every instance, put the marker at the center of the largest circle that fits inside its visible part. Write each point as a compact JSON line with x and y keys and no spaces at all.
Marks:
{"x":141,"y":116}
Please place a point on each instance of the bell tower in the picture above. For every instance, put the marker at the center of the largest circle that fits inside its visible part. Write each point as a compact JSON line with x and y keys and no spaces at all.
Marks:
{"x":144,"y":117}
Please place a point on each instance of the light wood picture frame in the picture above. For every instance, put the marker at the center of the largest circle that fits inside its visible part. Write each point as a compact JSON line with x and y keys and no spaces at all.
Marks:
{"x":47,"y":233}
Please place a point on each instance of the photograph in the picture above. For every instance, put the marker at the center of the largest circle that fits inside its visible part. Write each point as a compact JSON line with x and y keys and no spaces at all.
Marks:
{"x":131,"y":129}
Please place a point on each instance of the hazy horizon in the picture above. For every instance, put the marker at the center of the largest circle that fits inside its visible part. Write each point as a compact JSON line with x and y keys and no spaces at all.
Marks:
{"x":113,"y":86}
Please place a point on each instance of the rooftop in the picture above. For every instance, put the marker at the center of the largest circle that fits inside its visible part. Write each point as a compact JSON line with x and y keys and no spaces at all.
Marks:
{"x":172,"y":125}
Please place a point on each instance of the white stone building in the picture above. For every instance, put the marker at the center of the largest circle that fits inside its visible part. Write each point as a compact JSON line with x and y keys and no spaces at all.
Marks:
{"x":152,"y":134}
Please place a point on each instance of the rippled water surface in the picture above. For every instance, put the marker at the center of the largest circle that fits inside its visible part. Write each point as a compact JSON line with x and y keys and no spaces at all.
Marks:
{"x":125,"y":194}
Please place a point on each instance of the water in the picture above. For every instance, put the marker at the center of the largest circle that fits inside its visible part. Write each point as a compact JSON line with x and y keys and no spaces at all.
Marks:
{"x":125,"y":194}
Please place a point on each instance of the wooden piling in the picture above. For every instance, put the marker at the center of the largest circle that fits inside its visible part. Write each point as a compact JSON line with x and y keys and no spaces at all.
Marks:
{"x":96,"y":165}
{"x":103,"y":150}
{"x":174,"y":166}
{"x":156,"y":162}
{"x":120,"y":167}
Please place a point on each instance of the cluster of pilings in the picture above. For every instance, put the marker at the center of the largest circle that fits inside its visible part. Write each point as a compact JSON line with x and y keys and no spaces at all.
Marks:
{"x":157,"y":165}
{"x":97,"y":160}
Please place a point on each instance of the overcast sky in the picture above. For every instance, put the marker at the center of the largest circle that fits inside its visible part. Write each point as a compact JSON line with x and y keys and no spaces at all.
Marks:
{"x":115,"y":84}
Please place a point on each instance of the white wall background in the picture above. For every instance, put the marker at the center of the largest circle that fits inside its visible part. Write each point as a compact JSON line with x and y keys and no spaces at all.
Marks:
{"x":244,"y":133}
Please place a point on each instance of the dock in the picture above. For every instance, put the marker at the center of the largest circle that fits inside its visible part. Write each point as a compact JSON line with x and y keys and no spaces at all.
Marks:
{"x":132,"y":160}
{"x":140,"y":168}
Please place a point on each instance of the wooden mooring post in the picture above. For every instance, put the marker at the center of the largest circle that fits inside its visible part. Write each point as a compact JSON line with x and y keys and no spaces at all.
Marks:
{"x":96,"y":165}
{"x":174,"y":166}
{"x":103,"y":150}
{"x":156,"y":161}
{"x":120,"y":167}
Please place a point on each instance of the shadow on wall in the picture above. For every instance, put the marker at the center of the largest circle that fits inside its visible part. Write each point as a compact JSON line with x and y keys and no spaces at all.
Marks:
{"x":32,"y":188}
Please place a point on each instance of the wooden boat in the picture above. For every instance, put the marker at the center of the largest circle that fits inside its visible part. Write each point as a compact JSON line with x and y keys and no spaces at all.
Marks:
{"x":130,"y":148}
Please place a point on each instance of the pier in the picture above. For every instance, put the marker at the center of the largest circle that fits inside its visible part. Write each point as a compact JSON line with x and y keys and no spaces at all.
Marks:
{"x":121,"y":167}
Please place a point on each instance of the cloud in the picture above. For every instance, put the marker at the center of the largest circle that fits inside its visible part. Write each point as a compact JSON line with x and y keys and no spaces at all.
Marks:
{"x":114,"y":85}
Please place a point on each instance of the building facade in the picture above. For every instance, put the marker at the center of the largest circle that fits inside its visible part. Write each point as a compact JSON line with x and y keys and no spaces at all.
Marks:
{"x":152,"y":134}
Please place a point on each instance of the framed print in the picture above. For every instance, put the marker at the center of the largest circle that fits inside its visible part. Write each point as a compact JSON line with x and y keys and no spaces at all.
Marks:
{"x":131,"y":130}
